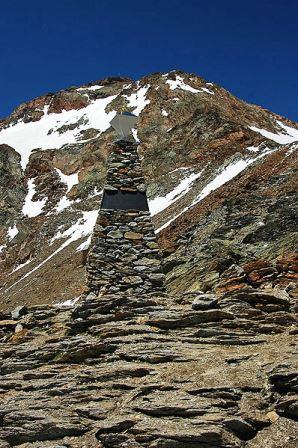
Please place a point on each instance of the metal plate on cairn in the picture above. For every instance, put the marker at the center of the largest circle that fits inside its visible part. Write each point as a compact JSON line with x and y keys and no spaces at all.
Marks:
{"x":122,"y":200}
{"x":123,"y":124}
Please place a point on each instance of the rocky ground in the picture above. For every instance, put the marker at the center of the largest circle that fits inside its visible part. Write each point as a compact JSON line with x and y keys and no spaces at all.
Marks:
{"x":209,"y":364}
{"x":129,"y":371}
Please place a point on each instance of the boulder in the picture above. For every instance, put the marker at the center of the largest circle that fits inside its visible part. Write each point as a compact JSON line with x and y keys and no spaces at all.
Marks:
{"x":18,"y":312}
{"x":204,"y":302}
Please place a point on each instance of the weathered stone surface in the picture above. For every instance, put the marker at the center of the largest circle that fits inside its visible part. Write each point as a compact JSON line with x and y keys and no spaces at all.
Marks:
{"x":8,"y":323}
{"x":240,"y":427}
{"x":144,"y":261}
{"x":204,"y":301}
{"x":133,"y":236}
{"x":133,"y":280}
{"x":288,"y":406}
{"x":115,"y":234}
{"x":281,"y":434}
{"x":18,"y":312}
{"x":157,"y":278}
{"x":152,"y":357}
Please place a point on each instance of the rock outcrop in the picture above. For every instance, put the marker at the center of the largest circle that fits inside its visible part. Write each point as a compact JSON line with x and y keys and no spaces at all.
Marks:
{"x":150,"y":371}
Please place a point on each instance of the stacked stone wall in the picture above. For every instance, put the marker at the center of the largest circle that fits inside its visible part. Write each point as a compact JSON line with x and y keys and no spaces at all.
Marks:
{"x":124,"y":254}
{"x":124,"y":169}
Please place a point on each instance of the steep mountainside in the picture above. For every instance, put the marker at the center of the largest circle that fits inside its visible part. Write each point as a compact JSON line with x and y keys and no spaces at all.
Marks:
{"x":219,"y":174}
{"x":210,"y":362}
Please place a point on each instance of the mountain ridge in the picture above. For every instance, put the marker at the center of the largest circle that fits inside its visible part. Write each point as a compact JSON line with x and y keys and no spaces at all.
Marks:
{"x":131,"y":80}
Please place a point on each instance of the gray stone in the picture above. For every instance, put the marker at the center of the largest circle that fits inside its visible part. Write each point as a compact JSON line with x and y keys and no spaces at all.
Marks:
{"x":113,"y":289}
{"x":240,"y":427}
{"x":146,"y":262}
{"x":141,"y":268}
{"x":115,"y":234}
{"x":18,"y":328}
{"x":204,"y":302}
{"x":110,"y":188}
{"x":133,"y":235}
{"x":142,"y":187}
{"x":133,"y":280}
{"x":18,"y":312}
{"x":91,"y":296}
{"x":157,"y":278}
{"x":133,"y":224}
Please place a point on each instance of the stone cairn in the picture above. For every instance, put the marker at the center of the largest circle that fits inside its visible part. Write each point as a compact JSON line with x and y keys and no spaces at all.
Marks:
{"x":124,"y":254}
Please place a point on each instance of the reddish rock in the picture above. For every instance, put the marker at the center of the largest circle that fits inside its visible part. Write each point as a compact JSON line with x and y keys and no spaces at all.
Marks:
{"x":255,"y":265}
{"x":262,"y":275}
{"x":287,"y":263}
{"x":67,"y":101}
{"x":223,"y":288}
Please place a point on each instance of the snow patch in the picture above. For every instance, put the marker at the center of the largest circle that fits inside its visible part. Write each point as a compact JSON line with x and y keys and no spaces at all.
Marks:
{"x":20,"y":266}
{"x":32,"y":208}
{"x":290,"y":136}
{"x":138,"y":100}
{"x":85,"y":245}
{"x":253,"y":148}
{"x":90,"y":88}
{"x":95,"y":192}
{"x":179,"y":83}
{"x":2,"y":248}
{"x":69,"y":302}
{"x":181,"y":168}
{"x":135,"y":135}
{"x":70,"y":180}
{"x":158,"y":204}
{"x":207,"y":90}
{"x":83,"y":227}
{"x":63,"y":203}
{"x":228,"y":173}
{"x":164,"y":113}
{"x":292,"y":149}
{"x":12,"y":232}
{"x":24,"y":137}
{"x":232,"y":170}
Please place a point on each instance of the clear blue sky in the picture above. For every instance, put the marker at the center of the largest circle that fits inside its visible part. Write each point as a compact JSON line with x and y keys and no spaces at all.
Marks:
{"x":249,"y":47}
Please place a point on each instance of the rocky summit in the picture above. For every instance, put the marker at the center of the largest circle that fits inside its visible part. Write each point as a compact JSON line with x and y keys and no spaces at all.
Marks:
{"x":172,"y":327}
